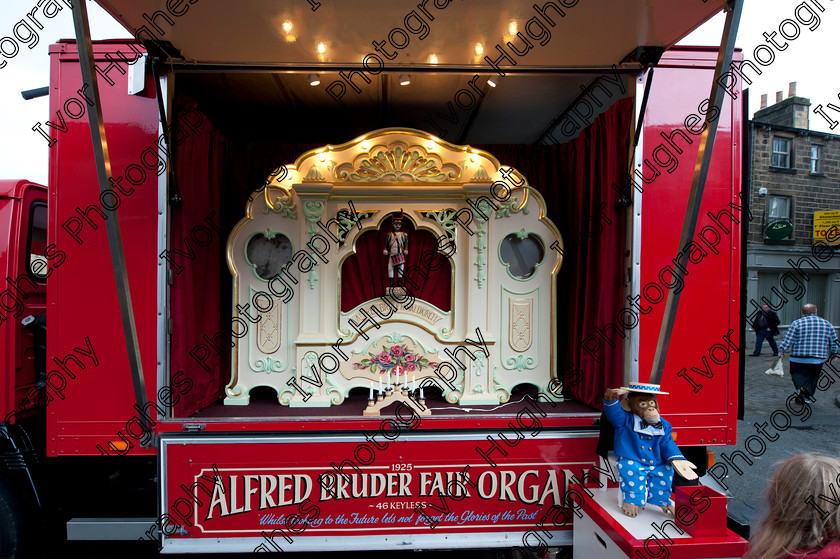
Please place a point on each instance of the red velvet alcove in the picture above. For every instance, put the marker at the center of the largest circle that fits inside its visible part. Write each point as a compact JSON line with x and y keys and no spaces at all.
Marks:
{"x":364,"y":275}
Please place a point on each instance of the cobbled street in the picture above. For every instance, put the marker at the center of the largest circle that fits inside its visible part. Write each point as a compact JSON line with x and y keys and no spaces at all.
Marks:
{"x":764,"y":394}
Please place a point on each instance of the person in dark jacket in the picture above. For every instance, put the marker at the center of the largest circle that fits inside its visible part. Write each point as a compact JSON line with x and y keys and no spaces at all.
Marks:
{"x":765,"y":325}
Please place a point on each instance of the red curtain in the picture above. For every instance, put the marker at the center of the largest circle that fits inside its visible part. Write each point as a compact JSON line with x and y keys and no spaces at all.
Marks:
{"x":576,"y":179}
{"x":364,"y":275}
{"x":594,"y":277}
{"x":198,"y":304}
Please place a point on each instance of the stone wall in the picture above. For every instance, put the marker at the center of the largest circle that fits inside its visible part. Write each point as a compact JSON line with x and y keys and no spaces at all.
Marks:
{"x":808,"y":192}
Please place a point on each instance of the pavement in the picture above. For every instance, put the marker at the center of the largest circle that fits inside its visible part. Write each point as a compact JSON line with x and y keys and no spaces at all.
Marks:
{"x":788,"y":428}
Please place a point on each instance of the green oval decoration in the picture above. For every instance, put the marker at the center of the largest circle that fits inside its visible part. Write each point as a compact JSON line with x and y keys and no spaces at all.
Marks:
{"x":778,"y":230}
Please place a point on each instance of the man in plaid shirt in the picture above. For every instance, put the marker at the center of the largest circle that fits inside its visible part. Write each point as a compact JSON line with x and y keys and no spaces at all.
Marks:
{"x":811,"y":340}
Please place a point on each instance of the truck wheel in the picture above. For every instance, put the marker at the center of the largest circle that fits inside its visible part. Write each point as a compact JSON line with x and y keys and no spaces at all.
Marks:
{"x":11,"y":528}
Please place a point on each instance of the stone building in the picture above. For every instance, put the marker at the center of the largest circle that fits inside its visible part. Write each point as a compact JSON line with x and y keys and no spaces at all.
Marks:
{"x":795,"y":174}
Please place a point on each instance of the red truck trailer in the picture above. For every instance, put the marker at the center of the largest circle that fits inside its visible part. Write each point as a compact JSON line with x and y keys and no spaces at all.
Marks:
{"x":142,"y":414}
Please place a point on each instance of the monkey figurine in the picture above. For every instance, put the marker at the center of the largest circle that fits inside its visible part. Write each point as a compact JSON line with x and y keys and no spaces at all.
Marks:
{"x":645,"y":448}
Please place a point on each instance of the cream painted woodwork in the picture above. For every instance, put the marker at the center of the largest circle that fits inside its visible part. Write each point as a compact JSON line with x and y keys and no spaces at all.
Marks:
{"x":286,"y":257}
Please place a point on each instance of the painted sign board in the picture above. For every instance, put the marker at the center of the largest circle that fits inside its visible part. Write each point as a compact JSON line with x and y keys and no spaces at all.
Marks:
{"x":414,"y":490}
{"x":778,"y":230}
{"x":827,"y":227}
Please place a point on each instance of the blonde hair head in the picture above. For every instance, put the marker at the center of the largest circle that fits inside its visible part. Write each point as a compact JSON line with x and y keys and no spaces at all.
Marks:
{"x":798,"y":519}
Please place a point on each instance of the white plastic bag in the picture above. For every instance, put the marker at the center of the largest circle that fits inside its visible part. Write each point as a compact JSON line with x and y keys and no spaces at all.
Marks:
{"x":776,"y":368}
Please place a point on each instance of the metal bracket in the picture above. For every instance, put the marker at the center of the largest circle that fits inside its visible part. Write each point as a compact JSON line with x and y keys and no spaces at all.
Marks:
{"x":137,"y":76}
{"x":103,"y":171}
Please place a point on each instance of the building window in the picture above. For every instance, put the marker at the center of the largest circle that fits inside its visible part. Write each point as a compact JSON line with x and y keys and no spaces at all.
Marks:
{"x":778,"y":226}
{"x":816,"y":155}
{"x":36,"y":243}
{"x":779,"y":207}
{"x":781,"y":153}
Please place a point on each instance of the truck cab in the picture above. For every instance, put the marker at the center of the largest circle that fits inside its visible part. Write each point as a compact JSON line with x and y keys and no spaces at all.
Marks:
{"x":26,"y":262}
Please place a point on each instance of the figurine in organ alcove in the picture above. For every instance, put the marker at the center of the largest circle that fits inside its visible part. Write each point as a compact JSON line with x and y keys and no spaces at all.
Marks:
{"x":645,"y":448}
{"x":396,"y":249}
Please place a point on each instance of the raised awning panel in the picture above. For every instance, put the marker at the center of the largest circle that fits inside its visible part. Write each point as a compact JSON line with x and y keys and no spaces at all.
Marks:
{"x":254,"y":32}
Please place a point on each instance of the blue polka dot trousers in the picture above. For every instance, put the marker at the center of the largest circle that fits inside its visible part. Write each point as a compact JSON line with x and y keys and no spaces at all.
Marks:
{"x":642,"y":484}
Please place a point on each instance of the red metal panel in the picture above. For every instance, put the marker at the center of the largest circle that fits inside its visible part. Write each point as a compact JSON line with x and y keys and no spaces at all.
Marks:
{"x":701,"y":372}
{"x":20,"y":297}
{"x":85,"y":329}
{"x":204,"y":488}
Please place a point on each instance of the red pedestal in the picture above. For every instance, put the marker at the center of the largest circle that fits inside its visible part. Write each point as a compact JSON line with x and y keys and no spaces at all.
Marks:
{"x":700,"y":511}
{"x":602,"y":531}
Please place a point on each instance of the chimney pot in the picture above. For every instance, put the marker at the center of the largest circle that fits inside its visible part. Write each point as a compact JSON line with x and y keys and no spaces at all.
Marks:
{"x":763,"y":101}
{"x":792,"y":89}
{"x":779,"y":96}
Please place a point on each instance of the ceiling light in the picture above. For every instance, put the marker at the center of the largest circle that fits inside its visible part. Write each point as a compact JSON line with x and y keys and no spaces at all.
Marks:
{"x":512,"y":28}
{"x":322,"y":48}
{"x":479,"y":48}
{"x":365,"y":144}
{"x":433,"y":59}
{"x":492,"y":81}
{"x":405,"y":79}
{"x":287,"y":26}
{"x":314,"y":79}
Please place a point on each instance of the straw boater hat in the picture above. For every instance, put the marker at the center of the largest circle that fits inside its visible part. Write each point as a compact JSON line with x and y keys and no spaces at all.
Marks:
{"x":640,"y":388}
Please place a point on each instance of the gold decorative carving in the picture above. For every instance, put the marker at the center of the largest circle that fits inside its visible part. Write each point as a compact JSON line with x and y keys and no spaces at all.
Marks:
{"x":481,"y":176}
{"x":283,"y":205}
{"x":397,"y":162}
{"x":521,"y":316}
{"x":314,"y":175}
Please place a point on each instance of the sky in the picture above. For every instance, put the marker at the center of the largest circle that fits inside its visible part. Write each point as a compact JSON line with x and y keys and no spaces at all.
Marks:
{"x":24,"y":153}
{"x":807,"y":59}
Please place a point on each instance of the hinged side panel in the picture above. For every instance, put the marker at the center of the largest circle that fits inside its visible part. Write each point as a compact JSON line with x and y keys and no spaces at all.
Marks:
{"x":701,"y":372}
{"x":91,"y":409}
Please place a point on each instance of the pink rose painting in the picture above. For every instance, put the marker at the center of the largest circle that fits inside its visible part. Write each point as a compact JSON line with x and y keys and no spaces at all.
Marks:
{"x":389,"y":358}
